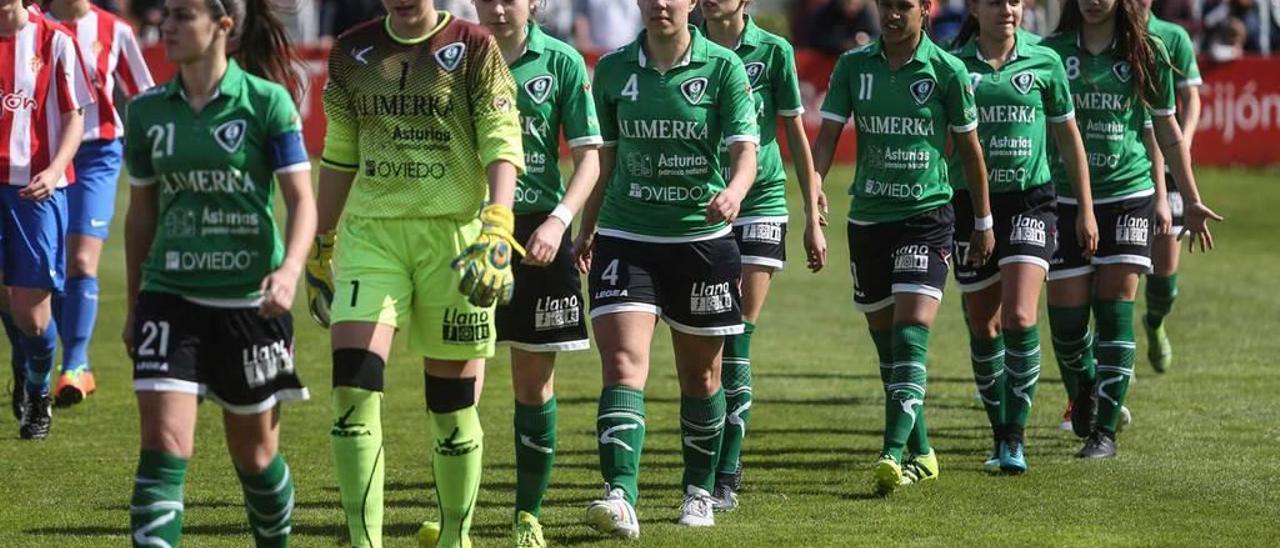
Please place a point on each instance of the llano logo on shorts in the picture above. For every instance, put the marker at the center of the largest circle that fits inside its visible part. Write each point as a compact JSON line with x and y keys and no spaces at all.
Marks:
{"x":769,"y":233}
{"x":694,"y":89}
{"x":468,"y":328}
{"x":230,"y":135}
{"x":1023,"y":81}
{"x":755,"y":70}
{"x":709,"y":299}
{"x":1131,"y":230}
{"x":911,"y":258}
{"x":1028,"y":230}
{"x":557,"y":313}
{"x":539,"y":88}
{"x":1123,"y":71}
{"x":922,"y":90}
{"x":450,"y":56}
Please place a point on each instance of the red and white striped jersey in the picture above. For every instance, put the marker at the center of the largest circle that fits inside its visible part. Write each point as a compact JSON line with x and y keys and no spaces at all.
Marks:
{"x":41,"y":78}
{"x":110,"y":53}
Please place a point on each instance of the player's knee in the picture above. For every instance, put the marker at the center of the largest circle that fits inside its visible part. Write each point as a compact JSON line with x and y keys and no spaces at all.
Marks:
{"x":447,"y":394}
{"x":533,"y":392}
{"x":251,"y":457}
{"x":358,"y":368}
{"x":31,"y":323}
{"x":699,"y":382}
{"x":1013,"y":318}
{"x":165,"y":438}
{"x":82,"y":263}
{"x":985,"y":330}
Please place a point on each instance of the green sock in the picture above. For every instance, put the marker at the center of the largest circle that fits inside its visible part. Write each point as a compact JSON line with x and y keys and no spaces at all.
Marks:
{"x":906,"y":391}
{"x":1161,"y":292}
{"x":456,"y":469}
{"x":987,"y":357}
{"x":1116,"y":350}
{"x":1072,"y":345}
{"x":702,"y":430}
{"x":268,"y":499}
{"x":620,"y":438}
{"x":735,"y":377}
{"x":155,"y":512}
{"x":883,"y":340}
{"x":535,"y":430}
{"x":1022,"y":362}
{"x":356,"y":438}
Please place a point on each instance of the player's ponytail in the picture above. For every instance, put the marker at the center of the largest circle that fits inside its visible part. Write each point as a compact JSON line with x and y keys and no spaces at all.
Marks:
{"x":1133,"y":43}
{"x":259,"y":41}
{"x":969,"y":29}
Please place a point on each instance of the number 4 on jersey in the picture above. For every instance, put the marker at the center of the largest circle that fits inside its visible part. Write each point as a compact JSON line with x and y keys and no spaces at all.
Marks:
{"x":631,"y":89}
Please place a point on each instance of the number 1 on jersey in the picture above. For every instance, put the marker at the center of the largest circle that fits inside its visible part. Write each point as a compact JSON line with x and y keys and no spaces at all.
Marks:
{"x":865,"y":83}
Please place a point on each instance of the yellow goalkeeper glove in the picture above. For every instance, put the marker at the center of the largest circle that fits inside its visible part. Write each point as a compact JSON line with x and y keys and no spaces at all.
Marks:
{"x":320,"y":277}
{"x":486,"y":264}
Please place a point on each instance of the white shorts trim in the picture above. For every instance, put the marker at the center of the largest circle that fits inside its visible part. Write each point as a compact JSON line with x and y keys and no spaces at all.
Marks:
{"x":979,"y":285}
{"x":625,"y":307}
{"x":1028,"y":259}
{"x":615,"y":233}
{"x":1137,"y":260}
{"x":721,"y":331}
{"x":770,"y":262}
{"x":226,"y":304}
{"x":743,"y":221}
{"x":835,"y":117}
{"x":868,"y":308}
{"x":919,"y":289}
{"x":1076,"y":272}
{"x":197,"y":389}
{"x":565,"y":346}
{"x":168,"y":385}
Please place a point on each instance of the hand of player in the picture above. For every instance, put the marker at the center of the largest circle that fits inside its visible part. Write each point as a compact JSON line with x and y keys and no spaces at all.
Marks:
{"x":822,"y":204}
{"x":278,"y":289}
{"x":319,"y":277}
{"x":41,"y":186}
{"x":485,"y":265}
{"x":583,"y":245}
{"x":724,"y":207}
{"x":126,"y":335}
{"x":981,"y":244}
{"x":1087,"y":233}
{"x":1163,"y":218}
{"x":1196,"y":220}
{"x":815,"y":243}
{"x":544,"y":244}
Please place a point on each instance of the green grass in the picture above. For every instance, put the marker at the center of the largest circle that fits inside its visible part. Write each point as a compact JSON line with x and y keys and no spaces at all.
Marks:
{"x":1198,"y":465}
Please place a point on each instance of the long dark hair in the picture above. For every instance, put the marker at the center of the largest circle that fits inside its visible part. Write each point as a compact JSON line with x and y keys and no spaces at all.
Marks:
{"x":259,"y":42}
{"x":968,"y":30}
{"x":1132,"y":43}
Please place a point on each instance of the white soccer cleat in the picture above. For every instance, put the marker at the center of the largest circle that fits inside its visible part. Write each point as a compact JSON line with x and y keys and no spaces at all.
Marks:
{"x":697,"y":508}
{"x":613,"y":515}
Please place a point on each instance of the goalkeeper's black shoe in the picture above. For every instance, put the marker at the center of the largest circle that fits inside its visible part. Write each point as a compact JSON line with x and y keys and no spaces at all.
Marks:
{"x":1100,"y":445}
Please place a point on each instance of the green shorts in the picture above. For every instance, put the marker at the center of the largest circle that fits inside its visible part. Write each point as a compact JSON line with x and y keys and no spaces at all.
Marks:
{"x":396,"y":272}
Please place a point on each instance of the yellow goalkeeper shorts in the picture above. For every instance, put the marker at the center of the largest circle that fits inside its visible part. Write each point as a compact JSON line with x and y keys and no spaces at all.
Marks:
{"x":396,"y":272}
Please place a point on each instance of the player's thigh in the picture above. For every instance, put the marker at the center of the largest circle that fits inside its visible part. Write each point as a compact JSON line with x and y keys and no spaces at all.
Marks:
{"x":1069,"y":270}
{"x":246,"y":363}
{"x":83,"y":254}
{"x":532,"y":376}
{"x":1020,"y":293}
{"x":444,"y":325}
{"x":697,"y":362}
{"x":374,"y":277}
{"x":33,"y":241}
{"x":545,"y":314}
{"x":167,"y":334}
{"x":623,"y":288}
{"x":624,"y":339}
{"x":762,"y":245}
{"x":921,"y":254}
{"x":1125,"y":233}
{"x":1166,"y":254}
{"x":982,"y":311}
{"x":167,"y":422}
{"x":871,"y":268}
{"x":1117,"y":282}
{"x":253,"y":440}
{"x":698,"y":286}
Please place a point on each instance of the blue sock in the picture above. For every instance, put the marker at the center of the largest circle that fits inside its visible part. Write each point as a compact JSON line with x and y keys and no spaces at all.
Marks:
{"x":40,"y":351}
{"x":17,"y":358}
{"x":79,"y":313}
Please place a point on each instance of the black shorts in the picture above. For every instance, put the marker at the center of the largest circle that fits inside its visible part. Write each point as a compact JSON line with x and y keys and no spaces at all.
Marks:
{"x":762,"y":241}
{"x":1124,"y":236}
{"x":232,"y":356}
{"x":693,"y":286}
{"x":1175,"y":205}
{"x":545,"y":313}
{"x":907,"y":256}
{"x":1026,"y":226}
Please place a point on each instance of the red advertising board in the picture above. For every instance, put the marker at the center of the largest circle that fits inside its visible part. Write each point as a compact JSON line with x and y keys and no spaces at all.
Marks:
{"x":1239,"y":124}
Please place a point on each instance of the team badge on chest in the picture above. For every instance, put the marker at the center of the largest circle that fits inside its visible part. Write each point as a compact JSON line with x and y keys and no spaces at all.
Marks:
{"x":755,"y":70}
{"x":230,"y":135}
{"x":1123,"y":71}
{"x":922,"y":90}
{"x":1023,"y":81}
{"x":694,"y":89}
{"x":450,"y":56}
{"x":539,"y":88}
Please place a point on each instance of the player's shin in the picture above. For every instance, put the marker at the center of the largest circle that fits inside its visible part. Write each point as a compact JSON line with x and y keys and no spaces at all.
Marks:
{"x":906,"y":392}
{"x":356,"y":439}
{"x":1161,"y":291}
{"x":1072,"y":346}
{"x":620,"y":431}
{"x":1116,"y":351}
{"x":701,"y":431}
{"x":155,"y":511}
{"x":1022,"y":361}
{"x":987,"y":357}
{"x":268,"y":499}
{"x":535,"y":433}
{"x":79,"y":313}
{"x":459,"y":445}
{"x":735,"y":377}
{"x":39,"y":349}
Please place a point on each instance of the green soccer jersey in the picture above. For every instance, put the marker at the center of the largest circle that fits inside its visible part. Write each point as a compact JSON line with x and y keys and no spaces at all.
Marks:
{"x":771,"y":71}
{"x":553,"y":93}
{"x":216,"y":237}
{"x":1110,"y":118}
{"x":1182,"y":52}
{"x":667,"y":129}
{"x":1014,"y":103}
{"x":901,"y":118}
{"x":419,"y":120}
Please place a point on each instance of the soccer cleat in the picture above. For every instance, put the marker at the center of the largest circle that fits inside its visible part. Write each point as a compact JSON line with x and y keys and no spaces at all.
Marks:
{"x":1159,"y":349}
{"x":429,"y":535}
{"x":888,"y":475}
{"x":37,"y":415}
{"x":18,"y":392}
{"x":726,"y":497}
{"x":1126,"y":417}
{"x":74,"y":386}
{"x":1084,"y":409}
{"x":992,"y":464}
{"x":696,"y":510}
{"x":918,"y":468}
{"x":613,"y":515}
{"x":1100,"y":445}
{"x":528,"y":532}
{"x":1012,"y":455}
{"x":1065,"y":425}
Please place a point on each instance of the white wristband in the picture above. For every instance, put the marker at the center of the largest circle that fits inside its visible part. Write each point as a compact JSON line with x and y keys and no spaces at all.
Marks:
{"x":984,"y":223}
{"x":563,"y":213}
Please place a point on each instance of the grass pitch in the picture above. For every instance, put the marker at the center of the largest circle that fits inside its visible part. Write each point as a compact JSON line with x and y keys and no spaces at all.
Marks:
{"x":1198,"y":465}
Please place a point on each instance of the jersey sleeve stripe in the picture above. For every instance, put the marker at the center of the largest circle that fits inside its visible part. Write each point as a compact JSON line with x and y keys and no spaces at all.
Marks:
{"x":755,"y":139}
{"x":1062,"y":118}
{"x":586,"y":141}
{"x":834,"y":117}
{"x":790,"y":112}
{"x":1162,"y":112}
{"x":965,"y":128}
{"x":609,"y":144}
{"x":141,"y":181}
{"x":294,"y":168}
{"x":1197,"y":81}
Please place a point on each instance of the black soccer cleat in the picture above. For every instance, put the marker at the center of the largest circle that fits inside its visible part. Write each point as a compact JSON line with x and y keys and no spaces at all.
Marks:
{"x":1084,"y":409}
{"x":37,"y":416}
{"x":18,"y":391}
{"x":1100,"y":445}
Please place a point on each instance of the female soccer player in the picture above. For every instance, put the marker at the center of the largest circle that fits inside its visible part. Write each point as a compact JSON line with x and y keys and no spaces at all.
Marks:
{"x":1018,"y":86}
{"x":905,"y":96}
{"x":210,"y":282}
{"x":1119,"y":77}
{"x":663,"y":246}
{"x":46,"y":92}
{"x":553,"y":93}
{"x":761,"y":226}
{"x":110,"y":53}
{"x":422,"y":112}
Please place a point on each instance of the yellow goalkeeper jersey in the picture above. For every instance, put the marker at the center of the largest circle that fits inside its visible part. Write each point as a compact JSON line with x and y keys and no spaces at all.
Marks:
{"x":418,"y":120}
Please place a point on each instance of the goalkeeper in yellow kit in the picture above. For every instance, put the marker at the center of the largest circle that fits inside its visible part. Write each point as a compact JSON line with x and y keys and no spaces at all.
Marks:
{"x":421,"y":112}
